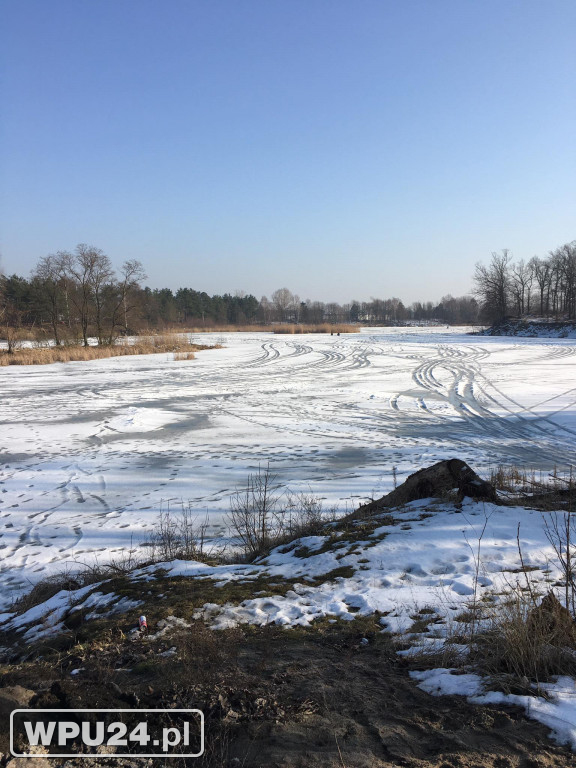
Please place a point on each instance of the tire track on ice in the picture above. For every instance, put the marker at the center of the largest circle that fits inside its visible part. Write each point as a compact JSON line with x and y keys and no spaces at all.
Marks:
{"x":461,"y":395}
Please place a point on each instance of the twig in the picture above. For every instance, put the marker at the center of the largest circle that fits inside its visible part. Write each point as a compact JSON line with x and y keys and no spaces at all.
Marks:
{"x":339,"y":751}
{"x":528,"y":584}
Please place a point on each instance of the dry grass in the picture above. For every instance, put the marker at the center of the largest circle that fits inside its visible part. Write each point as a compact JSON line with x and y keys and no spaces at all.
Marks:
{"x":544,"y":490}
{"x":287,"y":328}
{"x":24,"y":334}
{"x":256,"y":328}
{"x":510,"y":478}
{"x":526,"y":641}
{"x":320,"y":328}
{"x":518,"y":641}
{"x":175,"y":343}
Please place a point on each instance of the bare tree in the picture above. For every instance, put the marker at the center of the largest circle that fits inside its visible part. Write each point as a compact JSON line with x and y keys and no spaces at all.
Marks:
{"x":132,"y":273}
{"x":101,"y":275}
{"x":492,"y":286}
{"x":521,"y":277}
{"x":283,"y":301}
{"x":560,"y":529}
{"x":541,"y":272}
{"x":91,"y":270}
{"x":566,"y":259}
{"x":50,"y":274}
{"x":315,"y":311}
{"x":556,"y":285}
{"x":265,"y":309}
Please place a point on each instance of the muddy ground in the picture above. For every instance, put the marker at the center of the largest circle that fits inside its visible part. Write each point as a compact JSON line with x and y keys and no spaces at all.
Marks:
{"x":275,"y":697}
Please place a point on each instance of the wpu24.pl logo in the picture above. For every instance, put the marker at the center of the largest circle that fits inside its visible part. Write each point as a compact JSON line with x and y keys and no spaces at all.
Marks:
{"x":115,"y":732}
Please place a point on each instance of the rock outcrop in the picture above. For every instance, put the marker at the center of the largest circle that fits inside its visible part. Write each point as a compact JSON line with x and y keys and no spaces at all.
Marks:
{"x":434,"y":481}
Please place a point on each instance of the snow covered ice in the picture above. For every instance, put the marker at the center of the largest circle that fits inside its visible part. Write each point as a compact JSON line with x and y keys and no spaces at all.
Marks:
{"x":90,"y":452}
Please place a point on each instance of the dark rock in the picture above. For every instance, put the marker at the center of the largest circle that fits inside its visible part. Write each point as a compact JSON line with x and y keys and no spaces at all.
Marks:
{"x":434,"y":481}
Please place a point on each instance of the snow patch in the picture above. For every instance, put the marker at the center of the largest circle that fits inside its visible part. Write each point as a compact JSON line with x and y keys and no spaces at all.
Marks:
{"x":557,"y":711}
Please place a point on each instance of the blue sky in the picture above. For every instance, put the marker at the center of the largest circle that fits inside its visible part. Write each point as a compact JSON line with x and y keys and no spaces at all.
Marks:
{"x":341,"y":149}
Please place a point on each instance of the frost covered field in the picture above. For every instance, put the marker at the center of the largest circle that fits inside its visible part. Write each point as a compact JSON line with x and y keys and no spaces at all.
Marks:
{"x":90,"y":452}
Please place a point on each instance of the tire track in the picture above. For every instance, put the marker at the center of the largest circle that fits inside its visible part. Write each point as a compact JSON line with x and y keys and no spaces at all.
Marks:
{"x":460,"y":367}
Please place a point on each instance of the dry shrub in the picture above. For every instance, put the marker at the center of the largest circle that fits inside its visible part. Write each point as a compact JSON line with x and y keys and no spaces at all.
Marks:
{"x":80,"y":575}
{"x":165,"y":342}
{"x":320,"y":328}
{"x":288,"y":328}
{"x":509,"y":478}
{"x":263,"y":517}
{"x":24,"y":334}
{"x":255,"y":512}
{"x":444,"y":655}
{"x":180,"y":535}
{"x":528,"y":481}
{"x":527,"y":640}
{"x":517,"y":642}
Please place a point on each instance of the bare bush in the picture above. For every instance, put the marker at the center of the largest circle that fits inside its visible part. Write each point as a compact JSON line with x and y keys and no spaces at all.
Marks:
{"x":45,"y":589}
{"x":304,"y":515}
{"x":560,"y":530}
{"x":255,"y":515}
{"x":13,"y":339}
{"x":81,"y":574}
{"x":179,"y":536}
{"x":527,"y":482}
{"x":510,"y":478}
{"x":262,"y":518}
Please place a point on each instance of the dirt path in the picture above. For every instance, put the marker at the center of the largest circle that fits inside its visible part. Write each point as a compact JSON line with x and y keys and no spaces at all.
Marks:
{"x":370,"y":713}
{"x":316,"y":698}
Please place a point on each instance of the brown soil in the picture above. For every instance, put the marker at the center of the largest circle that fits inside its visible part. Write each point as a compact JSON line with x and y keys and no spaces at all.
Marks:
{"x":298,"y":698}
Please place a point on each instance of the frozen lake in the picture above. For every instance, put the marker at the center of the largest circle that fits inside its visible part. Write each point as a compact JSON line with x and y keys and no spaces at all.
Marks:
{"x":90,"y":452}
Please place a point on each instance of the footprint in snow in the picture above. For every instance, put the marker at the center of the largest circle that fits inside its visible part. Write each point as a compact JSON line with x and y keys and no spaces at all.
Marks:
{"x":461,"y":589}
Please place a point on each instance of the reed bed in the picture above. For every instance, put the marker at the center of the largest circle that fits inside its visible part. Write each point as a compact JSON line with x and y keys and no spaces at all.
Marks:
{"x":289,"y":328}
{"x":167,"y":343}
{"x":220,"y":329}
{"x":320,"y":328}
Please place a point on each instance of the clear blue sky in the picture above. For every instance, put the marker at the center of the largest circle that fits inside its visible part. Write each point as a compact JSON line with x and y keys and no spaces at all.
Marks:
{"x":342,"y":149}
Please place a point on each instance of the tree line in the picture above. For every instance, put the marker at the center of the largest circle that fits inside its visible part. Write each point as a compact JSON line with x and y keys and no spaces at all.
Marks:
{"x":76,"y":295}
{"x":287,"y":307}
{"x":79,"y":295}
{"x":544,"y":287}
